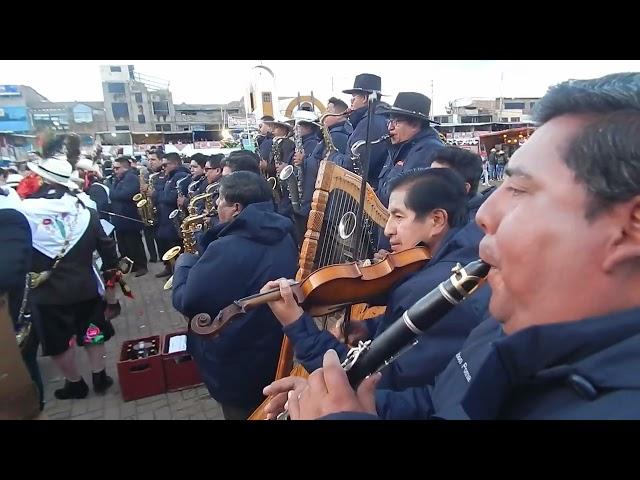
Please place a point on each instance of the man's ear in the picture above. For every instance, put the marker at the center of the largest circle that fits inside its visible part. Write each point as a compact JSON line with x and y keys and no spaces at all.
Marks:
{"x":625,"y":245}
{"x":467,"y":187}
{"x":439,"y":219}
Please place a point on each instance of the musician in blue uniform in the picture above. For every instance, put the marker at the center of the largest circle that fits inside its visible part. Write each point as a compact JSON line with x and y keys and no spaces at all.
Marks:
{"x":563,"y":240}
{"x":339,"y":131}
{"x":364,"y":85}
{"x":250,"y":245}
{"x":303,"y":159}
{"x":413,"y":142}
{"x":427,"y":207}
{"x":469,"y":166}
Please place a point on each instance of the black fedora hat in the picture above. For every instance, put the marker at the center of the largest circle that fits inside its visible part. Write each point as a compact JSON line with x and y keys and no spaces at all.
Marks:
{"x":365,"y":83}
{"x":409,"y":104}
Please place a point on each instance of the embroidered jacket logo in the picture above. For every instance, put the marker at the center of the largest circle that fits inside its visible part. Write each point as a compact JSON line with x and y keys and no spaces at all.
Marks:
{"x":463,"y":366}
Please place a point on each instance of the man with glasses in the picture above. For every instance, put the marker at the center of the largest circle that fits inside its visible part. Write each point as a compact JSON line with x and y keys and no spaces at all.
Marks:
{"x":127,"y":222}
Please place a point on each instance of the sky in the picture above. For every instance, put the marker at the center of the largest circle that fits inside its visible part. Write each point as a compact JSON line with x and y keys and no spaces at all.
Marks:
{"x":222,"y":81}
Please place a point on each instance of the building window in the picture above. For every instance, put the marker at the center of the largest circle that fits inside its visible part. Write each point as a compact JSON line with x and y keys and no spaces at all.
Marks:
{"x":122,"y":127}
{"x":115,"y":69}
{"x":163,"y":127}
{"x":504,"y":119}
{"x":266,"y":97}
{"x":515,"y":119}
{"x":514,"y":105}
{"x":120,"y":110}
{"x":115,"y":87}
{"x":161,"y":108}
{"x":138,"y":97}
{"x":141,"y":119}
{"x":82,"y":114}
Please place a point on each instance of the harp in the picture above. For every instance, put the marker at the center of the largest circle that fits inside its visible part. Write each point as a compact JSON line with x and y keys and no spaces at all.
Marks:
{"x":330,"y":239}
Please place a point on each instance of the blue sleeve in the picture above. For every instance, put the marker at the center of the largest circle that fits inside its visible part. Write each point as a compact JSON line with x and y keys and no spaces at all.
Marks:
{"x":195,"y":279}
{"x":180,"y":277}
{"x":184,"y":186}
{"x":126,"y":188}
{"x":410,"y":404}
{"x":340,"y":140}
{"x":169,"y":196}
{"x":265,"y":149}
{"x":310,"y":343}
{"x":342,"y":160}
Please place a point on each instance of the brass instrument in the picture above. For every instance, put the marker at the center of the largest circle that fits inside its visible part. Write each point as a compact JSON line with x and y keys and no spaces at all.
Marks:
{"x":177,"y":217}
{"x":329,"y":147}
{"x":170,"y":257}
{"x":209,"y":206}
{"x":190,"y":225}
{"x":271,"y":175}
{"x":355,"y":154}
{"x":143,"y":203}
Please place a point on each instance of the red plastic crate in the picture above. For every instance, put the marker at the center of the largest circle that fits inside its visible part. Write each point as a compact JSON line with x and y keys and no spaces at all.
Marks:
{"x":180,"y":369}
{"x":142,"y":377}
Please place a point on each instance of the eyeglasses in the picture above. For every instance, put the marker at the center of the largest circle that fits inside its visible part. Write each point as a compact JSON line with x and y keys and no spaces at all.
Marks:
{"x":395,"y":121}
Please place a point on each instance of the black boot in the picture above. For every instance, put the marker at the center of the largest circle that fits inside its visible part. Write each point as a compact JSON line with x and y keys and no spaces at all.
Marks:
{"x":77,"y":389}
{"x":101,"y":381}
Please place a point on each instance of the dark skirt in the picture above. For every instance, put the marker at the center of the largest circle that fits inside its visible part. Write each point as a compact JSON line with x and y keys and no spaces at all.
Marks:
{"x":84,"y":320}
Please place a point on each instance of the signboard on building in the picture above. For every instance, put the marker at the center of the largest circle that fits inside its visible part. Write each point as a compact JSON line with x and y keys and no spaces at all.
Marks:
{"x":237,"y":121}
{"x":14,"y":119}
{"x":9,"y":91}
{"x":200,"y":145}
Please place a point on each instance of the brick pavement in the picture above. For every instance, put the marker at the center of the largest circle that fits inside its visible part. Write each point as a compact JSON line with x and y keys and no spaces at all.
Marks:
{"x":150,"y":313}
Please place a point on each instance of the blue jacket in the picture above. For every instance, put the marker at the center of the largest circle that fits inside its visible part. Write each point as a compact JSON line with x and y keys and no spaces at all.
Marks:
{"x":167,"y":198}
{"x":121,"y":195}
{"x":424,"y":361}
{"x":309,"y":172}
{"x":98,"y":193}
{"x":358,"y":120}
{"x":339,"y":136}
{"x":414,"y":153}
{"x":584,"y":370}
{"x":257,"y":246}
{"x":264,"y":147}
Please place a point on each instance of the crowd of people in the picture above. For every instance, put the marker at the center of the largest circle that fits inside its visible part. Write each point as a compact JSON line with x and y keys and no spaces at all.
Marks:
{"x":552,"y":334}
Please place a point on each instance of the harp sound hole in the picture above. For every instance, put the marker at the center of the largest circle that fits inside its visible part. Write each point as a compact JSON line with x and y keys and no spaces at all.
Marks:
{"x":347,"y":225}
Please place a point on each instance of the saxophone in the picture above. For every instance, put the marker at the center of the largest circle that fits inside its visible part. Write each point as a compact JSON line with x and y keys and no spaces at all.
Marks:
{"x":188,"y":229}
{"x":143,"y":203}
{"x":270,"y":174}
{"x":329,"y":147}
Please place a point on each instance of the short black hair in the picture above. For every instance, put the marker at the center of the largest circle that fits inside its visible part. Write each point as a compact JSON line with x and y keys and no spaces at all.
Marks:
{"x":267,"y":118}
{"x":245,"y":188}
{"x":431,"y":188}
{"x":199,"y":158}
{"x":124,"y":160}
{"x":338,"y":103}
{"x":466,"y":163}
{"x":243,"y":160}
{"x":605,"y":155}
{"x":173,"y":157}
{"x":215,"y":160}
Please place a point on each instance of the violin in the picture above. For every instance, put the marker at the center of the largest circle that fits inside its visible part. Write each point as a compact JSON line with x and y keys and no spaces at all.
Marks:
{"x":328,"y":289}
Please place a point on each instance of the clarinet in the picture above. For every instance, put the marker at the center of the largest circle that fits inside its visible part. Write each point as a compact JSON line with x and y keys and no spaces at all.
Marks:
{"x":373,"y":355}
